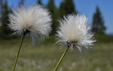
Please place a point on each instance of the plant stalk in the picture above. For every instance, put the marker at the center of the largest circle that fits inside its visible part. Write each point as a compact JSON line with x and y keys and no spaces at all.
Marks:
{"x":61,"y":59}
{"x":18,"y":53}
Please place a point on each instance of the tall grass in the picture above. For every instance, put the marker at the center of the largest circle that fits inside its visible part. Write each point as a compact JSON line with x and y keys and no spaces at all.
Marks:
{"x":43,"y":57}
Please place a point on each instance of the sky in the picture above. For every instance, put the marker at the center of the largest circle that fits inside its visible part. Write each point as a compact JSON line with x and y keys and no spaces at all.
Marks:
{"x":87,"y":7}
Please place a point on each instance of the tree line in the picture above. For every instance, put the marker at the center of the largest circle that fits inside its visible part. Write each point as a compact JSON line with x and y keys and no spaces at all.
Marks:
{"x":66,"y":7}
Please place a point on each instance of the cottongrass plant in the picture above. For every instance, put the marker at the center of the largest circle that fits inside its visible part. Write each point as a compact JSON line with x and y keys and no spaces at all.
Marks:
{"x":74,"y":32}
{"x":33,"y":21}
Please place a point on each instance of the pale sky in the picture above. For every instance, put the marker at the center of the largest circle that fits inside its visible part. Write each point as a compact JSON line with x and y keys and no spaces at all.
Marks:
{"x":87,"y":7}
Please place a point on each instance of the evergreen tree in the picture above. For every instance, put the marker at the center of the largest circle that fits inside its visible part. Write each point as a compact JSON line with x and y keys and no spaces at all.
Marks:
{"x":0,"y":7}
{"x":39,"y":2}
{"x":54,"y":12}
{"x":4,"y":30}
{"x":0,"y":15}
{"x":21,"y":3}
{"x":67,"y":7}
{"x":98,"y":23}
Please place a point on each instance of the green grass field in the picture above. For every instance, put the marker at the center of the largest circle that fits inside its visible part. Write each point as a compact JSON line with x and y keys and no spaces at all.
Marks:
{"x":44,"y":57}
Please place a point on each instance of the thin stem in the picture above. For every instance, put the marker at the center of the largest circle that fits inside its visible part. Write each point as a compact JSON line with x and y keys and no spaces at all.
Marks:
{"x":61,"y":58}
{"x":18,"y":53}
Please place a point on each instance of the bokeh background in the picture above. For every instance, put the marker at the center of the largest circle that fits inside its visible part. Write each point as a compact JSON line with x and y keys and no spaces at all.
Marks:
{"x":45,"y":55}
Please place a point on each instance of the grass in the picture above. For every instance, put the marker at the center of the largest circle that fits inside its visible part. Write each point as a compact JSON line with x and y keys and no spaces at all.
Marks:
{"x":44,"y":57}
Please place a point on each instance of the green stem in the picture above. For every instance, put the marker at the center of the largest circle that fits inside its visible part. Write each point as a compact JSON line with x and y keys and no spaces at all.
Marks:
{"x":18,"y":53}
{"x":61,"y":59}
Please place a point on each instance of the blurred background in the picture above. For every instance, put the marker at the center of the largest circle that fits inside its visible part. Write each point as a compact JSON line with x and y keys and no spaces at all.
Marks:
{"x":45,"y":55}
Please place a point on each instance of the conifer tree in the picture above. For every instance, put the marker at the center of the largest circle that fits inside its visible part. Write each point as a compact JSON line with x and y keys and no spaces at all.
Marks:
{"x":21,"y":3}
{"x":0,"y":7}
{"x":39,"y":2}
{"x":4,"y":30}
{"x":54,"y":12}
{"x":67,"y":7}
{"x":98,"y":23}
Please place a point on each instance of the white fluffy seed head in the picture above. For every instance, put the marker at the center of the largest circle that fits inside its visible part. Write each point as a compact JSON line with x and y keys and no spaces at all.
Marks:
{"x":74,"y":32}
{"x":34,"y":19}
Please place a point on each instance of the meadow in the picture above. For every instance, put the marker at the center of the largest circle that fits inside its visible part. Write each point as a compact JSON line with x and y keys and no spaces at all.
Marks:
{"x":45,"y":55}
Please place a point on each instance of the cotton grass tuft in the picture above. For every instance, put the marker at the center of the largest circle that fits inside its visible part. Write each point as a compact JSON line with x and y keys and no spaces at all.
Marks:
{"x":34,"y":21}
{"x":75,"y":32}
